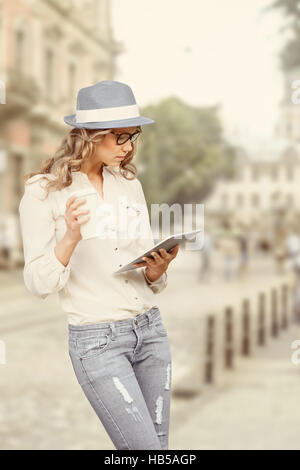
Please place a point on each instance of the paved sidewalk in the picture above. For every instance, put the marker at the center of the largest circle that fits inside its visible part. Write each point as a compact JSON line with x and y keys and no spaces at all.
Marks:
{"x":259,"y":409}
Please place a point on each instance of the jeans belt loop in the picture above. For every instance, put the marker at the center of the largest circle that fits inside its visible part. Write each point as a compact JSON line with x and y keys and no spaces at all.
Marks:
{"x":149,"y":318}
{"x":113,"y":330}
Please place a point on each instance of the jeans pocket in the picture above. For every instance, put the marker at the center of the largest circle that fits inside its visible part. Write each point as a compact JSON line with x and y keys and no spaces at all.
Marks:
{"x":159,"y":327}
{"x":92,"y":346}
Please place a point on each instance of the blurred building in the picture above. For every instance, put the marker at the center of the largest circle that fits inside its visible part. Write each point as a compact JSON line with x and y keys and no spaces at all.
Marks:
{"x":267,"y":171}
{"x":49,"y":49}
{"x":260,"y":186}
{"x":288,"y":125}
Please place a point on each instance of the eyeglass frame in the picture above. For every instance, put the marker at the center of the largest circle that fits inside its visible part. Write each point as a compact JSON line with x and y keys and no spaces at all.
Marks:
{"x":130,"y":136}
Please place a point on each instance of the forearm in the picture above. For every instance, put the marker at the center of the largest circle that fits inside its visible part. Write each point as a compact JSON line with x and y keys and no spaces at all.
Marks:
{"x":64,"y":249}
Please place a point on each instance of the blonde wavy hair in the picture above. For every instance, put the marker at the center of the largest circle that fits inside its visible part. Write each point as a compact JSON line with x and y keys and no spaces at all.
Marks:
{"x":76,"y":147}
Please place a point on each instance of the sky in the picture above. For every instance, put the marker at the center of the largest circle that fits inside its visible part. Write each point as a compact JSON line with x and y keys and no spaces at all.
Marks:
{"x":205,"y":52}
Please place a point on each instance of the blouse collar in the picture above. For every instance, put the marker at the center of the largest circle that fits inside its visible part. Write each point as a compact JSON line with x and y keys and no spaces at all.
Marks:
{"x":107,"y":170}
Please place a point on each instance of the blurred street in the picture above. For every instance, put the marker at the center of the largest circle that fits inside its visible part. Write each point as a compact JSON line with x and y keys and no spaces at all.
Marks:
{"x":227,"y":151}
{"x":43,"y":407}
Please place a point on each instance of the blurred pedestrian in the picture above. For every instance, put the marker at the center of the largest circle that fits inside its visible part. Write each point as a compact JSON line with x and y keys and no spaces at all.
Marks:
{"x":228,"y":246}
{"x":5,"y":245}
{"x":206,"y":257}
{"x":279,"y":248}
{"x":243,"y":242}
{"x":293,"y":255}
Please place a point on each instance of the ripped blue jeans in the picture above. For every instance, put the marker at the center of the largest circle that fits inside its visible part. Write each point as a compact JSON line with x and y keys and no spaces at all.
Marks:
{"x":124,"y":368}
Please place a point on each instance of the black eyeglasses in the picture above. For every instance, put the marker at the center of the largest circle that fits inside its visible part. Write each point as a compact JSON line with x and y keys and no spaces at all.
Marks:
{"x":122,"y":138}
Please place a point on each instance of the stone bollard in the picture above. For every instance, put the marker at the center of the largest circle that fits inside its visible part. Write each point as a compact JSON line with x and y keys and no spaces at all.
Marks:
{"x":245,"y":346}
{"x":220,"y":341}
{"x":274,"y":313}
{"x":228,"y":343}
{"x":261,"y":331}
{"x":209,"y":351}
{"x":284,"y":306}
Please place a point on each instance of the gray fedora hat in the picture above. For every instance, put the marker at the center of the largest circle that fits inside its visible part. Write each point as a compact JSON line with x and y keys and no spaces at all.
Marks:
{"x":107,"y":104}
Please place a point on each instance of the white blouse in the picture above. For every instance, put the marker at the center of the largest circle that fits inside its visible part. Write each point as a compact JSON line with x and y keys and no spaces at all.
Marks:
{"x":88,"y":290}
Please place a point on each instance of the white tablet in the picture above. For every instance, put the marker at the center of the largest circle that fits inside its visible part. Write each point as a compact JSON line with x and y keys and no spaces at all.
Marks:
{"x":168,"y":243}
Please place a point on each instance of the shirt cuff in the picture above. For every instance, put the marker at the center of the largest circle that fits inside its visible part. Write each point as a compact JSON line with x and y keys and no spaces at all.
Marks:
{"x":53,"y":270}
{"x":161,"y":280}
{"x":46,"y":274}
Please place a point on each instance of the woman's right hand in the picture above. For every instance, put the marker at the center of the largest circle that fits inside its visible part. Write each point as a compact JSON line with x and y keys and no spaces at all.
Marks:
{"x":71,"y":218}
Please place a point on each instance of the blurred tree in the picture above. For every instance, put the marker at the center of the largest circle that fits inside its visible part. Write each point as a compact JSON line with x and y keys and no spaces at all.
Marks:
{"x":289,"y":57}
{"x":183,"y":152}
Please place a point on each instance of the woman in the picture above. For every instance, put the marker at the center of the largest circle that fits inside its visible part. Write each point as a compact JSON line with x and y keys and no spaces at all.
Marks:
{"x":118,"y":344}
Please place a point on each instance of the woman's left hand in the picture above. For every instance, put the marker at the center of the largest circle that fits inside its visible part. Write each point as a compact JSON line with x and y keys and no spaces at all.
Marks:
{"x":156,"y":267}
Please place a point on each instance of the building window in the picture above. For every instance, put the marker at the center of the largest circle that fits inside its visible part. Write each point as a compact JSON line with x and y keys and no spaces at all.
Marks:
{"x":240,"y":200}
{"x":49,"y":73}
{"x":224,"y":201}
{"x":98,"y":71}
{"x":290,"y":173}
{"x":289,"y":129}
{"x":72,"y":80}
{"x":274,"y":173}
{"x":19,"y":50}
{"x":275,"y":198}
{"x":255,"y":173}
{"x":290,"y":200}
{"x":255,"y":200}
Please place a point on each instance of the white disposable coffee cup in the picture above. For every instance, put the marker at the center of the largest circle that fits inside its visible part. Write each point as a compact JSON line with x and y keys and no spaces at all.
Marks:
{"x":89,"y":228}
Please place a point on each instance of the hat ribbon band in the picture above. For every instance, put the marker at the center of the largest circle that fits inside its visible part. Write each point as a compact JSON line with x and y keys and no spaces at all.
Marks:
{"x":107,"y":114}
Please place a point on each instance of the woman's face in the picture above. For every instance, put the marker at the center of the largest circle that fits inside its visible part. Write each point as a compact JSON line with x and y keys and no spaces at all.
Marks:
{"x":108,"y":150}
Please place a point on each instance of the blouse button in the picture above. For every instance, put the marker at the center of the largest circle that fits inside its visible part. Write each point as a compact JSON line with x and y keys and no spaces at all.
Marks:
{"x":116,"y":249}
{"x":126,"y":280}
{"x":120,"y":265}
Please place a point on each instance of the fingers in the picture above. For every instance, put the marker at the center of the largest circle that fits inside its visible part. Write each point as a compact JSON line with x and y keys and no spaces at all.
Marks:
{"x":77,"y":213}
{"x":72,"y":214}
{"x":148,"y":261}
{"x":163,"y":253}
{"x":159,"y":258}
{"x":168,"y":256}
{"x":73,"y":202}
{"x":70,"y":200}
{"x":175,"y":250}
{"x":84,"y":221}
